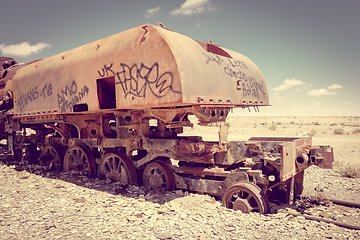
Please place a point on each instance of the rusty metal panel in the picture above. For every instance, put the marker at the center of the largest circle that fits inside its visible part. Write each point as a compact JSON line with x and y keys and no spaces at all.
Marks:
{"x":200,"y":185}
{"x":323,"y":156}
{"x":328,"y":158}
{"x":236,"y":151}
{"x":144,"y":68}
{"x":234,"y":78}
{"x":147,"y":66}
{"x":288,"y":154}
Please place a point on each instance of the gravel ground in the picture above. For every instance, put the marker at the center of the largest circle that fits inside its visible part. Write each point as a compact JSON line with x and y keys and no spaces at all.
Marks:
{"x":36,"y":204}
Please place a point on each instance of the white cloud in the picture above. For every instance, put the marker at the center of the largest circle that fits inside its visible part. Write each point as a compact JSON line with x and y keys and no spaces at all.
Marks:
{"x":334,"y":86}
{"x":320,"y":92}
{"x":151,"y":12}
{"x":190,"y":7}
{"x":277,"y":97}
{"x":289,"y":83}
{"x":198,"y":24}
{"x":22,"y":49}
{"x":324,"y":91}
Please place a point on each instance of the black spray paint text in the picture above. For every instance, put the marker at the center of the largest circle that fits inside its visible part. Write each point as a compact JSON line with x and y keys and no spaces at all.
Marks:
{"x":70,"y":96}
{"x":33,"y":95}
{"x":248,"y":85}
{"x":252,"y":87}
{"x":138,"y":80}
{"x":215,"y":58}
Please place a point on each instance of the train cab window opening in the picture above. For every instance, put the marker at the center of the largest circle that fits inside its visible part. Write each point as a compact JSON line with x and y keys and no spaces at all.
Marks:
{"x":106,"y":92}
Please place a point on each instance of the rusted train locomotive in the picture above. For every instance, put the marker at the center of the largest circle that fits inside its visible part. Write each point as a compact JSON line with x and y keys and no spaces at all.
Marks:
{"x":116,"y":108}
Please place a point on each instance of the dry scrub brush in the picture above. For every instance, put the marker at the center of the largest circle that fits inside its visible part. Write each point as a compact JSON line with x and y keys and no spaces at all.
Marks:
{"x":356,"y":130}
{"x":339,"y":131}
{"x":350,"y":171}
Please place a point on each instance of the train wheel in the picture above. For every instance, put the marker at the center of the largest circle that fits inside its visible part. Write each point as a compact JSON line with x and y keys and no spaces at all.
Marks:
{"x":52,"y":156}
{"x":158,"y":175}
{"x":80,"y":158}
{"x":118,"y":168}
{"x":246,"y":197}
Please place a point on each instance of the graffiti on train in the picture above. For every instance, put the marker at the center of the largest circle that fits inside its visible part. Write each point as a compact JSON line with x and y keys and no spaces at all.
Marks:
{"x":70,"y":96}
{"x":33,"y":94}
{"x":137,"y":80}
{"x":249,"y":85}
{"x":215,"y":59}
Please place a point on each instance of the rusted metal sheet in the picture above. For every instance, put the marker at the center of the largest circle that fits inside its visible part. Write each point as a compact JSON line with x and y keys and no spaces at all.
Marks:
{"x":293,"y":153}
{"x":288,"y":155}
{"x":214,"y":187}
{"x":323,"y":156}
{"x":147,"y":66}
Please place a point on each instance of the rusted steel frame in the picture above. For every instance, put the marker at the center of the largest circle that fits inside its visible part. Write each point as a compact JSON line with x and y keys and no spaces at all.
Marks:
{"x":201,"y":152}
{"x":167,"y":114}
{"x":179,"y":124}
{"x":205,"y":113}
{"x":89,"y":142}
{"x":212,"y":113}
{"x":299,"y":143}
{"x":257,"y":177}
{"x":200,"y":148}
{"x":85,"y":122}
{"x":236,"y":152}
{"x":284,"y":161}
{"x":213,"y":187}
{"x":156,"y":148}
{"x":199,"y":182}
{"x":290,"y":152}
{"x":202,"y":171}
{"x":41,"y":118}
{"x":215,"y":171}
{"x":89,"y":125}
{"x":322,"y":156}
{"x":112,"y":143}
{"x":200,"y":185}
{"x":274,"y":185}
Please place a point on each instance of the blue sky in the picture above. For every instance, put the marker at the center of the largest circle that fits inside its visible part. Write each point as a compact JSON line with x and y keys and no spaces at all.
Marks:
{"x":308,"y":51}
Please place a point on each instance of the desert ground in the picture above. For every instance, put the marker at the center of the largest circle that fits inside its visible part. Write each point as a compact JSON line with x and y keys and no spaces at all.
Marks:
{"x":340,"y":132}
{"x":35,"y":204}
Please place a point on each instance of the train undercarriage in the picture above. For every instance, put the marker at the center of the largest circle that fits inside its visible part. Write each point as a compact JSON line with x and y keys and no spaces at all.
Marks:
{"x":145,"y":147}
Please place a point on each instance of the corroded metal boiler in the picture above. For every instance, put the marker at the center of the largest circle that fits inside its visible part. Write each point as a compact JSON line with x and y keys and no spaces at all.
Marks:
{"x":144,"y":67}
{"x":116,"y":109}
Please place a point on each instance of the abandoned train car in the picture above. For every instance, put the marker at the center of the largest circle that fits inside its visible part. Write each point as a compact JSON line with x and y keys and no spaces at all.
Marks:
{"x":116,"y":108}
